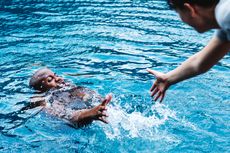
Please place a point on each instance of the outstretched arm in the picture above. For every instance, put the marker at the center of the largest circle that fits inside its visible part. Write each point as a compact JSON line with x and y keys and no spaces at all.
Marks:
{"x":195,"y":65}
{"x":200,"y":62}
{"x":86,"y":116}
{"x":35,"y":101}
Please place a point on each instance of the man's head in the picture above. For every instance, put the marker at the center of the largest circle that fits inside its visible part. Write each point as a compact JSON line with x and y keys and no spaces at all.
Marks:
{"x":179,"y":4}
{"x":197,"y":13}
{"x":44,"y":79}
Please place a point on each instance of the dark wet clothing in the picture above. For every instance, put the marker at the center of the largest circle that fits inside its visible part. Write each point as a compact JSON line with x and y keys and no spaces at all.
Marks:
{"x":63,"y":102}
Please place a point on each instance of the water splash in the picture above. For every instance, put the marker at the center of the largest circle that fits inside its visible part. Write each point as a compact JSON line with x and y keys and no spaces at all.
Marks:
{"x":136,"y":124}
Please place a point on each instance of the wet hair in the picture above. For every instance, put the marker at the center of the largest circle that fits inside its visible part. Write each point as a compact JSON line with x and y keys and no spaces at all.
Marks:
{"x":36,"y":79}
{"x":179,"y":4}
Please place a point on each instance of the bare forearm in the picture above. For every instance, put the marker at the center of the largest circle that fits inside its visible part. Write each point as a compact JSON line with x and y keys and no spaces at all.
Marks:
{"x":81,"y":117}
{"x":200,"y":62}
{"x":186,"y":70}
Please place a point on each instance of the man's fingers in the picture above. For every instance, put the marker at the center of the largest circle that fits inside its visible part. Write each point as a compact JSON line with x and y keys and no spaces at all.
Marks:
{"x":106,"y":100}
{"x":158,"y":95}
{"x":153,"y":87}
{"x":154,"y":92}
{"x":103,"y":103}
{"x":162,"y":96}
{"x":103,"y":120}
{"x":159,"y":86}
{"x":158,"y":75}
{"x":101,"y":108}
{"x":103,"y":113}
{"x":151,"y":71}
{"x":155,"y":73}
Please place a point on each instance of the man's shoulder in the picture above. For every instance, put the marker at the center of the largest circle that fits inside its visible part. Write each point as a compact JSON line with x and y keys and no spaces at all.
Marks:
{"x":222,"y":13}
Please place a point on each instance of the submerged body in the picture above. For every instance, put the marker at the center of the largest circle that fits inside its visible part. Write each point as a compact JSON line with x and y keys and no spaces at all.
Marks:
{"x":65,"y":101}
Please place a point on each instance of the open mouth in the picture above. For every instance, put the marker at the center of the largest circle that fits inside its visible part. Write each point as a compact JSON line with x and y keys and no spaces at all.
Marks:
{"x":61,"y":83}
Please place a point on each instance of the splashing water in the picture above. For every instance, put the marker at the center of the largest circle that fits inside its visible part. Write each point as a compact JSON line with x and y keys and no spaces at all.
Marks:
{"x":136,"y":124}
{"x":111,"y":43}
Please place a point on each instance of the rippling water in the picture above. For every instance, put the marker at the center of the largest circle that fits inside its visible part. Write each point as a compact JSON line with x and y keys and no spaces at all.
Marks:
{"x":107,"y":45}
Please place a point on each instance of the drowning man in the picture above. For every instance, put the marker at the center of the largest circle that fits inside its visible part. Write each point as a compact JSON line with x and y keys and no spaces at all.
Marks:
{"x":67,"y":101}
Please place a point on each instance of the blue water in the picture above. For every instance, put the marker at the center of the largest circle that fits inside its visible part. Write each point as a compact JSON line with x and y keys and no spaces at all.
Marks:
{"x":107,"y":45}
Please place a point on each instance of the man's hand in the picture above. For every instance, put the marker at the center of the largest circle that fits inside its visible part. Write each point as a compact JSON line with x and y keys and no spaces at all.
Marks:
{"x":99,"y":112}
{"x":160,"y":86}
{"x":86,"y":116}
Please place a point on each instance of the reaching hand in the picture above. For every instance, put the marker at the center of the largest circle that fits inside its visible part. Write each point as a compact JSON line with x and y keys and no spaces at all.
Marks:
{"x":99,"y":112}
{"x":160,"y":86}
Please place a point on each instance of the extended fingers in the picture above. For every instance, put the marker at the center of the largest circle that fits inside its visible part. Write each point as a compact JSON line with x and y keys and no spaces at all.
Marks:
{"x":158,"y":75}
{"x":154,"y":91}
{"x":103,"y":103}
{"x":102,"y":108}
{"x":103,"y":120}
{"x":151,"y":71}
{"x":102,"y":117}
{"x":102,"y":111}
{"x":160,"y":95}
{"x":153,"y":87}
{"x":106,"y":100}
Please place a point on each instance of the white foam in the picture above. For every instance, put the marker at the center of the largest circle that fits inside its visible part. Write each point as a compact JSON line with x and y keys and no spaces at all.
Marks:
{"x":135,"y":124}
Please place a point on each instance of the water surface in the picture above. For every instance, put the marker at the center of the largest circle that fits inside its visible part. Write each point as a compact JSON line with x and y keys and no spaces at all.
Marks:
{"x":107,"y":45}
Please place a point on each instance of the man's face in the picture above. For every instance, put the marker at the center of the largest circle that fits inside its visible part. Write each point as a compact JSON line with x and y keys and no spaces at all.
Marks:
{"x":194,"y":19}
{"x":50,"y":80}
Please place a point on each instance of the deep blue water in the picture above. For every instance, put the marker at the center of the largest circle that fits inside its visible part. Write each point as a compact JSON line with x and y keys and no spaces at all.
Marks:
{"x":107,"y":45}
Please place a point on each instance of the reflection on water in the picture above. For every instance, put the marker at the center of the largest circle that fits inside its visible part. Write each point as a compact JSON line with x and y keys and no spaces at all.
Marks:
{"x":107,"y":45}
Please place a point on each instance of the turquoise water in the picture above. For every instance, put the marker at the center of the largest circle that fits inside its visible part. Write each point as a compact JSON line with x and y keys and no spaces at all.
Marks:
{"x":107,"y":45}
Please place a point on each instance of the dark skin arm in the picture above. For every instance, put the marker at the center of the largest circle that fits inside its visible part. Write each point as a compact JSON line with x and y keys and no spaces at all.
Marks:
{"x":33,"y":105}
{"x":86,"y":116}
{"x":78,"y":117}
